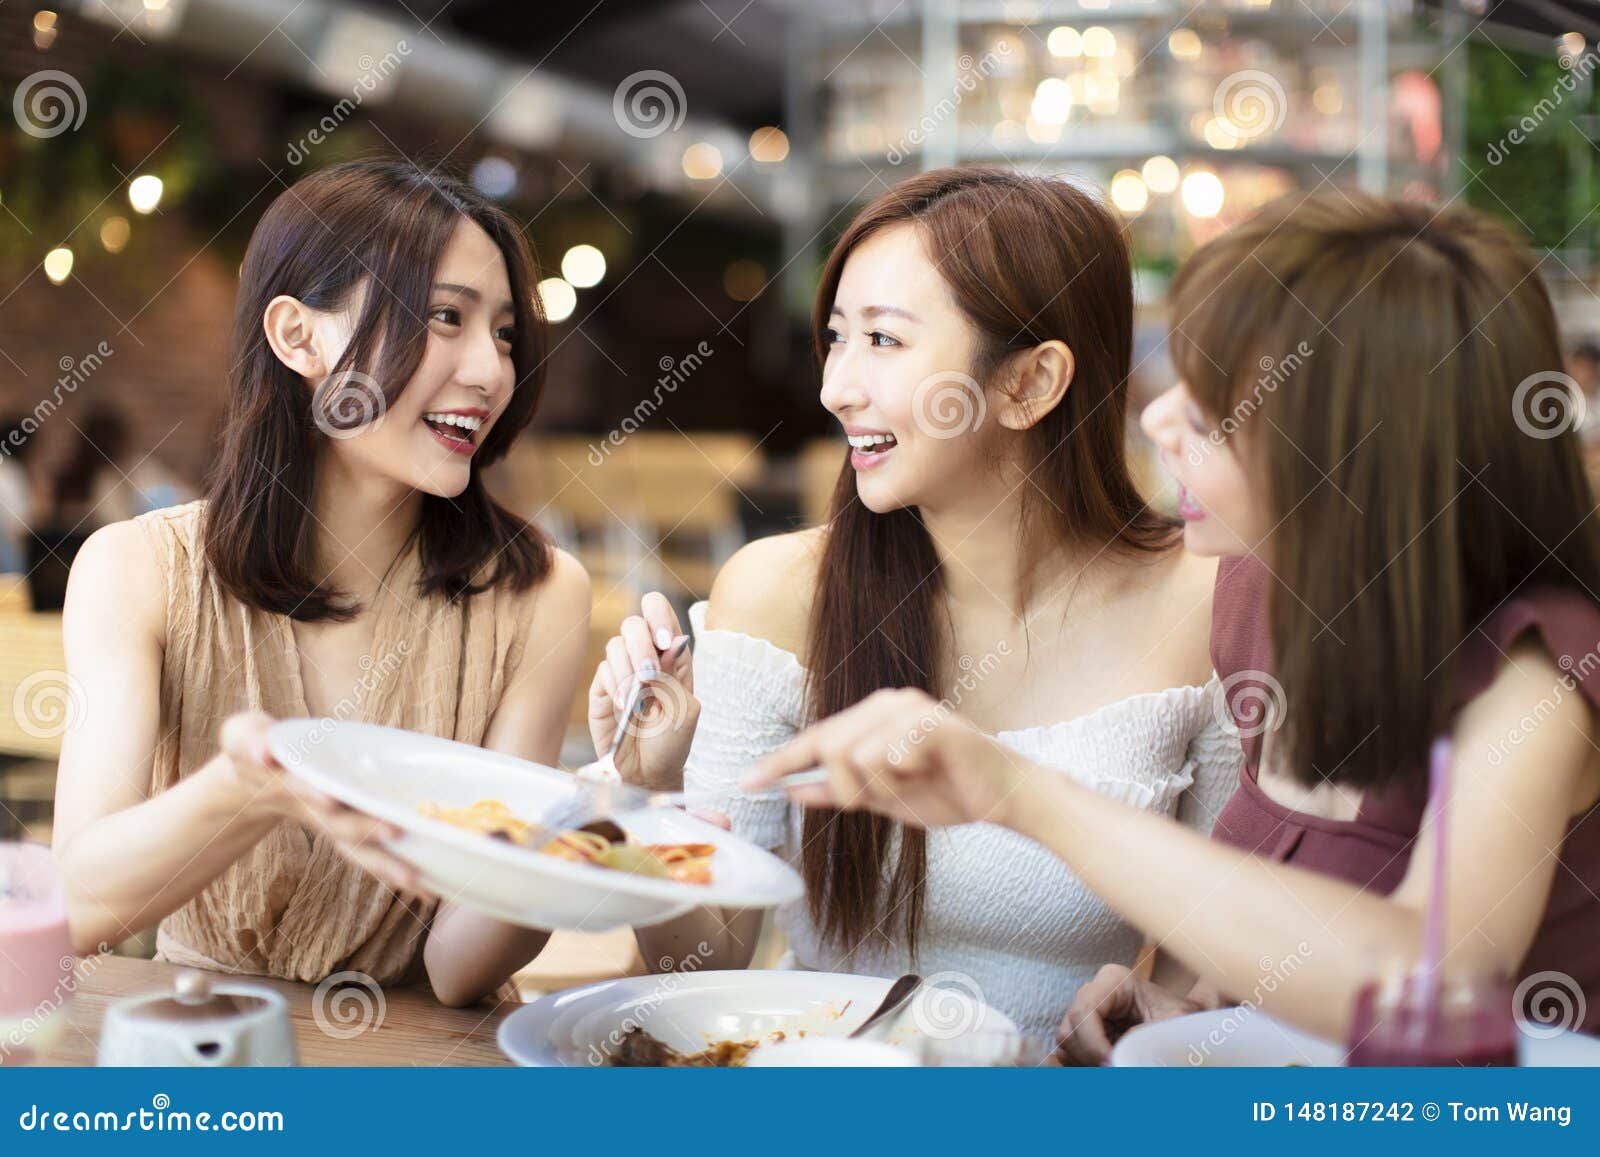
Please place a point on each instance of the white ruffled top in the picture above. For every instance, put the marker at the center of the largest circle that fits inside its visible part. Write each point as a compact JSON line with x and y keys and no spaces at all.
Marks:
{"x":1004,"y":917}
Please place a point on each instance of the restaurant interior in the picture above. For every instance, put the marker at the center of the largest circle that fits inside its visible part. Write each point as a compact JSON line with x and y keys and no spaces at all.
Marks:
{"x":680,"y":169}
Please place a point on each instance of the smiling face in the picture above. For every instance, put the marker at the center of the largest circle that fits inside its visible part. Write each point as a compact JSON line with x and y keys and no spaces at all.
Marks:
{"x":428,"y":436}
{"x":1222,"y":513}
{"x":896,"y":375}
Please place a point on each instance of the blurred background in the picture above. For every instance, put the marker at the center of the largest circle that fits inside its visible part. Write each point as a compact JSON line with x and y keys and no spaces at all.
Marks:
{"x":681,"y":169}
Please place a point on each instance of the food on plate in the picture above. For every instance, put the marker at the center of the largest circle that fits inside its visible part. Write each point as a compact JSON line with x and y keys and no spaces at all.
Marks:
{"x":638,"y":1049}
{"x":489,"y":816}
{"x":685,"y":863}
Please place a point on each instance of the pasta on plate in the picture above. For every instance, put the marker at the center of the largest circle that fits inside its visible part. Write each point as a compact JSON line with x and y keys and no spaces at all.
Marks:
{"x":684,"y":863}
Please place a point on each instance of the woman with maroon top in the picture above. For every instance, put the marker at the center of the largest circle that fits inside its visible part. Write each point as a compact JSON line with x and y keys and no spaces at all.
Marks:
{"x":1364,"y":422}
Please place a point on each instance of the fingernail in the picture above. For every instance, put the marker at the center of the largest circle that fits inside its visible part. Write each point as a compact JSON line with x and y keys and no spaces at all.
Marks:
{"x":663,"y":639}
{"x":649,"y":671}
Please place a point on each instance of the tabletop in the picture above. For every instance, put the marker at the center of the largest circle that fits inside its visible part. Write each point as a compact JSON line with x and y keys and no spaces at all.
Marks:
{"x":408,"y":1027}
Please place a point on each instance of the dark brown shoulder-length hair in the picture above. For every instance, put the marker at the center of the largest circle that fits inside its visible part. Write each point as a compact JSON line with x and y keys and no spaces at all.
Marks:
{"x":1390,"y":373}
{"x":1028,"y":260}
{"x":382,"y":224}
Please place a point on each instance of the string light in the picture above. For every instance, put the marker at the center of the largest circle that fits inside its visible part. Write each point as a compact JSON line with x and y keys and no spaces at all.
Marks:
{"x":702,"y":161}
{"x":769,"y":145}
{"x":58,"y":264}
{"x":1161,"y":174}
{"x":1202,"y":193}
{"x":583,"y":266}
{"x":558,"y":298}
{"x":144,"y":193}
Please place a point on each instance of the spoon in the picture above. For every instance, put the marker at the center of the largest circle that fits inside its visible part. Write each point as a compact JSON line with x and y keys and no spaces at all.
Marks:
{"x":900,"y":992}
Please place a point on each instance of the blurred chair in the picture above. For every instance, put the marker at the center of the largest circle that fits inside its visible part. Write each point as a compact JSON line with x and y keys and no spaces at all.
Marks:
{"x":14,"y":596}
{"x":34,"y":688}
{"x":38,"y":703}
{"x":648,"y":512}
{"x":687,"y":490}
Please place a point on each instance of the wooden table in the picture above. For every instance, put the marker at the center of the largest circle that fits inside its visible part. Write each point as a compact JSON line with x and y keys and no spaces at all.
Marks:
{"x":415,"y":1029}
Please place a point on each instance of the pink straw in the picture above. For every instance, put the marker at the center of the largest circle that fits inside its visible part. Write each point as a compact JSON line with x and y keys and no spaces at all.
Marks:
{"x":1439,"y":757}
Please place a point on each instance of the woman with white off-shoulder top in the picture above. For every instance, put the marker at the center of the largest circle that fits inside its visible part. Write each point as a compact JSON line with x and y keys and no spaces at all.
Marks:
{"x":987,"y":546}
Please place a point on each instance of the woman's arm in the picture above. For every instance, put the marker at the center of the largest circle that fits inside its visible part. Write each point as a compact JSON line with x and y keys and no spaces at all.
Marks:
{"x":763,"y":591}
{"x":1224,"y":912}
{"x":128,"y":860}
{"x":468,"y":955}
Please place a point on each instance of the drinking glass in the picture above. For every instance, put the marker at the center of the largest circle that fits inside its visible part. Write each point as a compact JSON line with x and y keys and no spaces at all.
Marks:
{"x":36,"y":958}
{"x":1464,"y":1021}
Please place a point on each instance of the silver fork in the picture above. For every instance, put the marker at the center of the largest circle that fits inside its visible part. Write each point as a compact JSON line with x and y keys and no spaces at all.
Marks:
{"x":602,"y":799}
{"x":599,"y":801}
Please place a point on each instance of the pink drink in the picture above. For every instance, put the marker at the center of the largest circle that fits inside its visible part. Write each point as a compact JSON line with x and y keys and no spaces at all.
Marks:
{"x":36,"y":959}
{"x":1465,"y":1025}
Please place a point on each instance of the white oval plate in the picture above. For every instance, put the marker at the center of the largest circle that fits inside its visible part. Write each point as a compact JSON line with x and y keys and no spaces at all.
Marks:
{"x":1223,"y":1037}
{"x":689,"y":1011}
{"x":387,"y":773}
{"x":1235,"y":1037}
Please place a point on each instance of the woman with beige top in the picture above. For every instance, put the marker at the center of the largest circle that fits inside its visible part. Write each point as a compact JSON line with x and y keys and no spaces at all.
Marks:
{"x":346,"y":562}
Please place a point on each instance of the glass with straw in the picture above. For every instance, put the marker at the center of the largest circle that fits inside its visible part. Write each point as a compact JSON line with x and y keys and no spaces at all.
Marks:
{"x":1426,"y":1017}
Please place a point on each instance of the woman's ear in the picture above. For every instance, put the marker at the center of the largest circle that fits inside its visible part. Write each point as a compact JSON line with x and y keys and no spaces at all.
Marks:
{"x":291,"y":332}
{"x":1039,"y":380}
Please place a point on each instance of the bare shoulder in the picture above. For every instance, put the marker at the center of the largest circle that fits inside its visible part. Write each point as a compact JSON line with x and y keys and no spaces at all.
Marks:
{"x":116,"y":581}
{"x":563,"y":597}
{"x":1554,"y":760}
{"x":765,"y":590}
{"x":1530,"y":683}
{"x":567,"y":581}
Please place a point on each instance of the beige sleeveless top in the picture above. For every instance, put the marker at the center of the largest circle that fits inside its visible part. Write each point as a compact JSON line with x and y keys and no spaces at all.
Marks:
{"x":293,"y":906}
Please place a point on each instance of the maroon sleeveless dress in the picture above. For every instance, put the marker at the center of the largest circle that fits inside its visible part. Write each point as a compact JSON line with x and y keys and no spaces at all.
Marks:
{"x":1373,"y":850}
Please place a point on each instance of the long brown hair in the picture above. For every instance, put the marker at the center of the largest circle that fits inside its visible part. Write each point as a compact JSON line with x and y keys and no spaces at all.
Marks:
{"x":1418,"y":463}
{"x":384,"y":224}
{"x":1028,"y":260}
